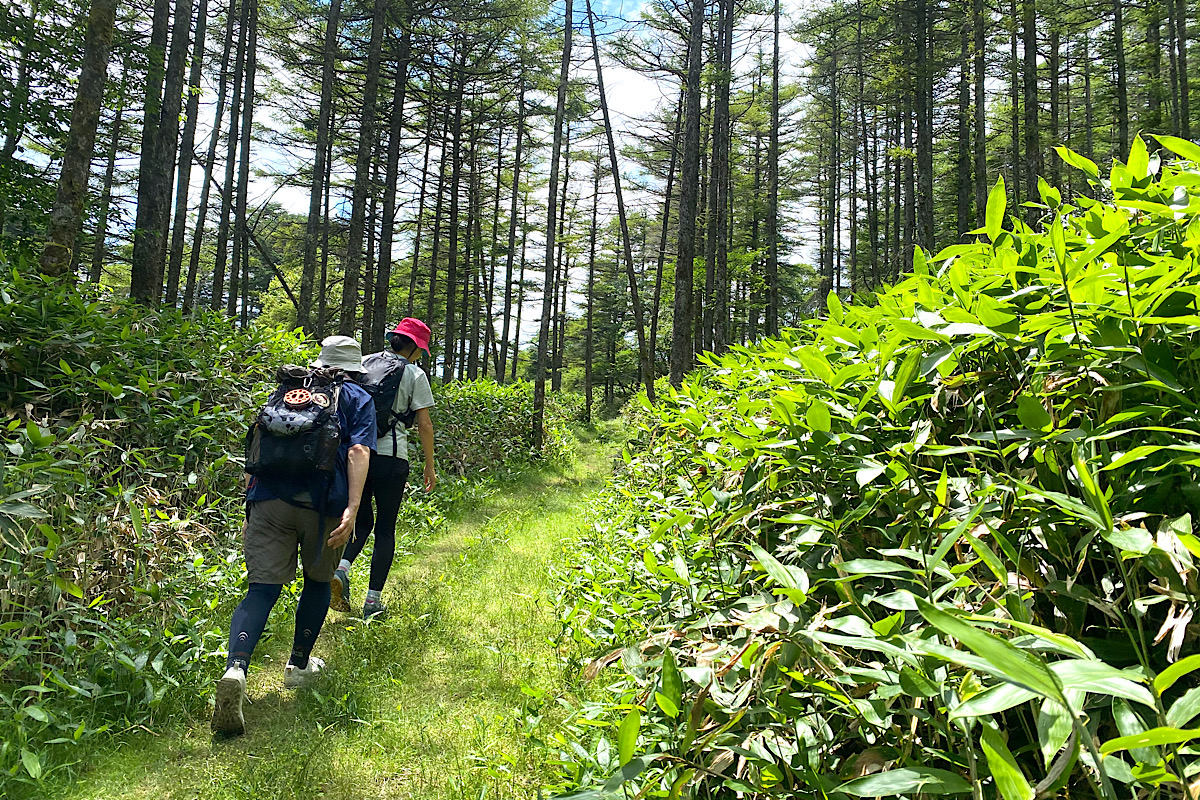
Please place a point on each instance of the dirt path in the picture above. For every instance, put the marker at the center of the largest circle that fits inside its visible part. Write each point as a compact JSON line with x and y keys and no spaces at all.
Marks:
{"x":433,"y":702}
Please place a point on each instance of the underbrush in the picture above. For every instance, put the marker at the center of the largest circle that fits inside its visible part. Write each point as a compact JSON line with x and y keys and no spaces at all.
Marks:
{"x":938,"y":543}
{"x":121,"y":434}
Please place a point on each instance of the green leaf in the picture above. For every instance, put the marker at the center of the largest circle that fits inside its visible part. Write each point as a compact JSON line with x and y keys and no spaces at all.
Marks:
{"x":1050,"y":196}
{"x":996,"y":203}
{"x":1166,"y":679}
{"x":33,"y":764}
{"x":818,"y":417}
{"x":915,"y":684}
{"x":1033,"y":414}
{"x":36,"y":712}
{"x":1078,"y":161}
{"x":1139,"y":159}
{"x":627,"y":735}
{"x":672,"y":685}
{"x":1013,"y":664}
{"x":1008,"y":776}
{"x":1182,"y":147}
{"x":1151,"y":738}
{"x":1185,"y":709}
{"x":907,"y":780}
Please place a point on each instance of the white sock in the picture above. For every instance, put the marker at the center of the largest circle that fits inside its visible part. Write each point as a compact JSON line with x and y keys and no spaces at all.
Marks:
{"x":344,"y":565}
{"x":374,"y":596}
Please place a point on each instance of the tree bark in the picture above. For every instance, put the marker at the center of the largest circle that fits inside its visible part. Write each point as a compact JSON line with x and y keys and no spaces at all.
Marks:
{"x":231,"y":150}
{"x":681,"y":337}
{"x":1181,"y":38}
{"x":539,"y":390}
{"x":362,"y":175}
{"x":100,"y":249}
{"x":67,"y":216}
{"x":1118,"y":32}
{"x":979,"y":28}
{"x":186,"y":153}
{"x":312,"y":229}
{"x":452,"y":251}
{"x":1033,"y":143}
{"x":512,"y":226}
{"x":189,"y":292}
{"x":639,"y":318}
{"x":141,"y":276}
{"x":383,"y":269}
{"x":656,"y":303}
{"x":241,"y":241}
{"x":416,"y":256}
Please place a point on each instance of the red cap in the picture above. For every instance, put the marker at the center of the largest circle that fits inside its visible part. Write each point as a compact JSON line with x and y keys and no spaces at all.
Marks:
{"x":414,"y":329}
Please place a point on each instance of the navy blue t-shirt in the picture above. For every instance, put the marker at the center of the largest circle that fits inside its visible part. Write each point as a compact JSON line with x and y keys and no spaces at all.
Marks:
{"x":356,"y":415}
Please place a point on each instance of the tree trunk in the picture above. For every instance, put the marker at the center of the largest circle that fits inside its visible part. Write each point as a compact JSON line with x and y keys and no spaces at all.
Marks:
{"x":189,"y":291}
{"x":539,"y":390}
{"x":639,"y":318}
{"x":416,"y":256}
{"x":520,"y":289}
{"x":925,"y":132}
{"x":1015,"y":111}
{"x":362,"y":175}
{"x":14,"y":119}
{"x":1033,"y":144}
{"x":1173,"y":65}
{"x":66,"y":218}
{"x":979,"y":26}
{"x":437,"y":217}
{"x":186,"y":153}
{"x":512,"y":226}
{"x":656,"y":303}
{"x":1054,"y":63}
{"x":312,"y":229}
{"x":1089,"y":121}
{"x":591,"y":295}
{"x":383,"y":269}
{"x":1181,"y":38}
{"x":231,"y":148}
{"x":962,"y":175}
{"x":681,"y":337}
{"x":141,"y":276}
{"x":452,"y":252}
{"x":1118,"y":31}
{"x":100,"y":249}
{"x":241,"y":242}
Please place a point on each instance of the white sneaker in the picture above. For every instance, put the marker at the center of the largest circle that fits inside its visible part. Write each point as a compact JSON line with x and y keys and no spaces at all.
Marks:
{"x":227,"y":713}
{"x":294,"y":677}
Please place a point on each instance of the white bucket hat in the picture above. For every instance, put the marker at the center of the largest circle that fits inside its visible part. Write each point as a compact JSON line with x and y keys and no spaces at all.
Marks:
{"x":341,"y":352}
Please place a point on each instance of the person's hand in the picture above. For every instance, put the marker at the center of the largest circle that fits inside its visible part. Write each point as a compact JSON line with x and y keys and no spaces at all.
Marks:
{"x":341,"y":534}
{"x":430,"y":478}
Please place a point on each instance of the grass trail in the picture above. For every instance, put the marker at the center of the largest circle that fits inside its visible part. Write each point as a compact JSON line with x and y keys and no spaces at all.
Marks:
{"x":426,"y":704}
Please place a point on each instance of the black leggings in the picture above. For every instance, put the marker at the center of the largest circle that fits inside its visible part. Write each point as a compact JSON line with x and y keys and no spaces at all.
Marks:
{"x":385,"y":486}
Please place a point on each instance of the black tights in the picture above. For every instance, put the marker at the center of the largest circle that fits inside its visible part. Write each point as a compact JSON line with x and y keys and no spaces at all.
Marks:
{"x":385,"y":486}
{"x":250,"y":618}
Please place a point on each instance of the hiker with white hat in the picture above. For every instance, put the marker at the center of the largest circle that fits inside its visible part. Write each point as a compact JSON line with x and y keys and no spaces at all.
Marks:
{"x":295,"y":509}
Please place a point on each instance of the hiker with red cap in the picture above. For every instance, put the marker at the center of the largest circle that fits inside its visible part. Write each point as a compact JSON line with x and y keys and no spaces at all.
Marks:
{"x":403,"y":398}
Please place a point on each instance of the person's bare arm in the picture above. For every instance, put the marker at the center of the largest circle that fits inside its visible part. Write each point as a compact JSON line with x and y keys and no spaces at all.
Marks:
{"x":358,"y":461}
{"x":425,"y":430}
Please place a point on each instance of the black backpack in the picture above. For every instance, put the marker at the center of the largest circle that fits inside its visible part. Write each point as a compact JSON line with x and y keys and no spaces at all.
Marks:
{"x":381,"y":376}
{"x":297,"y":434}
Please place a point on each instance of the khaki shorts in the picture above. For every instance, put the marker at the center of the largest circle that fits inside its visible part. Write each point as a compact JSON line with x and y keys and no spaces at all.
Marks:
{"x":273,"y":533}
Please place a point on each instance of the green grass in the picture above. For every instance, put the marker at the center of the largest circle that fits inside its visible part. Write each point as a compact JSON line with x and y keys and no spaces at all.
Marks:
{"x":444,"y":699}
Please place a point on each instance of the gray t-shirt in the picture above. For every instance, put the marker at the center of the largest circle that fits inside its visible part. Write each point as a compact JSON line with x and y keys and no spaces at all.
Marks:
{"x":414,"y":393}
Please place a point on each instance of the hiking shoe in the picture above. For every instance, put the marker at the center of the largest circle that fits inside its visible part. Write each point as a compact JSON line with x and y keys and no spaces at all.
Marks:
{"x":294,"y":677}
{"x":374,"y":609}
{"x":227,"y":716}
{"x":339,"y":597}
